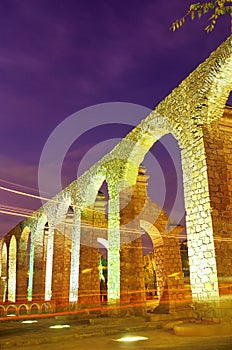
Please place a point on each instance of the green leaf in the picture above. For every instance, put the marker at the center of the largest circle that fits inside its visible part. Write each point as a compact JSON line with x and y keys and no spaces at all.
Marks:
{"x":220,"y":7}
{"x":193,"y":7}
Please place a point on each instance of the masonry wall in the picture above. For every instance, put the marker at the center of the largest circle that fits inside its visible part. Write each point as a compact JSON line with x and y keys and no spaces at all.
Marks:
{"x":132,"y":281}
{"x":61,"y":268}
{"x":138,"y":210}
{"x":89,"y":284}
{"x":218,"y":147}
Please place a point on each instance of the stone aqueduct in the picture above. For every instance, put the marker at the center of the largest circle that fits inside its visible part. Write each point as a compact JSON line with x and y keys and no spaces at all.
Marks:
{"x":62,"y":253}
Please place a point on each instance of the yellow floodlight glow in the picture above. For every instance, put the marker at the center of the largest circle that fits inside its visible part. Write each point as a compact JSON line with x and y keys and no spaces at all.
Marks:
{"x":86,"y":270}
{"x":174,"y":274}
{"x":131,"y":339}
{"x":58,"y":326}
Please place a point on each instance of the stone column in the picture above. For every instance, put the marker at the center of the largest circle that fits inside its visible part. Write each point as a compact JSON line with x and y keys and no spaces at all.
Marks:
{"x":12,"y":271}
{"x":173,"y":267}
{"x":114,"y":249}
{"x":31,"y":268}
{"x":132,"y":202}
{"x":218,"y":146}
{"x":203,"y":270}
{"x":33,"y":229}
{"x":67,"y":258}
{"x":62,"y":261}
{"x":58,"y":265}
{"x":3,"y":278}
{"x":22,"y":266}
{"x":132,"y":270}
{"x":75,"y":258}
{"x":39,"y":246}
{"x":89,"y":274}
{"x":49,"y":263}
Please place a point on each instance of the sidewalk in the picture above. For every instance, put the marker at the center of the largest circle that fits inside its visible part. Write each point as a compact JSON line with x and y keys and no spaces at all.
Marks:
{"x":16,"y":333}
{"x":203,"y":330}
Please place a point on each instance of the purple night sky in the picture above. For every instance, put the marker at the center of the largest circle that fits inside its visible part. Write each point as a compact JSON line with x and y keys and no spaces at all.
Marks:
{"x":58,"y":57}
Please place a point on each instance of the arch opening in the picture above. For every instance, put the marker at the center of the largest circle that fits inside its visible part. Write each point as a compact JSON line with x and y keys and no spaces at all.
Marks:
{"x":196,"y":194}
{"x":23,"y":310}
{"x":150,"y":273}
{"x":62,"y":260}
{"x":229,"y":100}
{"x":93,"y":228}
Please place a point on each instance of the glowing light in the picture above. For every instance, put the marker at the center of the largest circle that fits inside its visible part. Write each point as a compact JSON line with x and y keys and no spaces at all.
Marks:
{"x":86,"y":270}
{"x":11,"y":213}
{"x":10,"y":315}
{"x":13,"y":208}
{"x":58,"y":326}
{"x":29,"y":321}
{"x":23,"y":193}
{"x":174,"y":274}
{"x":131,"y":339}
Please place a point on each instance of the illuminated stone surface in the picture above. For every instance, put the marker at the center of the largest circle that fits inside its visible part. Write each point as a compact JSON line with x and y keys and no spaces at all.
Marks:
{"x":193,"y":113}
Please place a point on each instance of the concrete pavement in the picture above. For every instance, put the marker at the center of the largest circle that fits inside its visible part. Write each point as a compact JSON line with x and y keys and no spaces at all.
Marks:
{"x":84,"y":331}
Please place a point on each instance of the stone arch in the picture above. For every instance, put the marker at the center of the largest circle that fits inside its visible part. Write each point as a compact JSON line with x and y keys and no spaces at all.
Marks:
{"x":184,"y":113}
{"x":23,"y":309}
{"x":196,"y":194}
{"x":103,"y":242}
{"x":11,"y":310}
{"x":193,"y":105}
{"x":3,"y":281}
{"x":93,"y":187}
{"x":55,"y":211}
{"x":170,"y":282}
{"x":91,"y":181}
{"x":34,"y":308}
{"x":93,"y":226}
{"x":12,"y":269}
{"x":83,"y":213}
{"x":199,"y":220}
{"x":23,"y":263}
{"x":46,"y":308}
